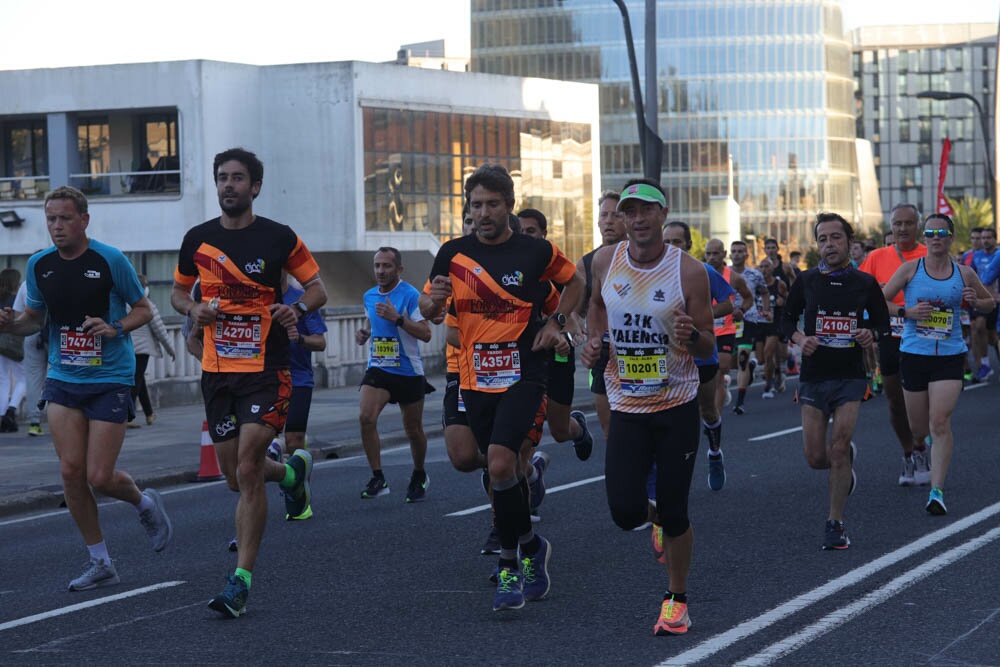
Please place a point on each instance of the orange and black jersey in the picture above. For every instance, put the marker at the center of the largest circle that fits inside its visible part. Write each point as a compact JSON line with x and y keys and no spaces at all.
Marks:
{"x":498,"y":296}
{"x":241,"y":268}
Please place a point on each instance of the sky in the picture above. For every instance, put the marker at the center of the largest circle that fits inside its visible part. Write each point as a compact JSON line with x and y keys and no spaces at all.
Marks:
{"x":65,"y":33}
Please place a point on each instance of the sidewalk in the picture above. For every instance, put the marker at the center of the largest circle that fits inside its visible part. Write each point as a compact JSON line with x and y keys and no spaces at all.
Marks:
{"x":168,"y":452}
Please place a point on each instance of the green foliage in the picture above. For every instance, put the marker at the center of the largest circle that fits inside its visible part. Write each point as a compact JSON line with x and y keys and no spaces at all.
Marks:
{"x":969,"y":212}
{"x":698,"y":243}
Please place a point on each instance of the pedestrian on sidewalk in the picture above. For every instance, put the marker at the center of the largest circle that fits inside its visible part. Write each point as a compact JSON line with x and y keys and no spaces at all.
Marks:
{"x":12,"y":386}
{"x":148,"y":340}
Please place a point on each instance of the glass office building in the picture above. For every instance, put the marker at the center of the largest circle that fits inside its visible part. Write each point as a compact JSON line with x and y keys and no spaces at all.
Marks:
{"x":894,"y":63}
{"x":767,"y":84}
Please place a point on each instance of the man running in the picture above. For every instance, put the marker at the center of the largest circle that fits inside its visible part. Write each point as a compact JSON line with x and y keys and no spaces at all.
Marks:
{"x":756,"y":316}
{"x":984,"y":324}
{"x":654,"y":300}
{"x":725,"y":328}
{"x":395,"y":370}
{"x":834,"y":297}
{"x":611,"y":224}
{"x":84,"y":286}
{"x":499,"y":282}
{"x":882,"y":263}
{"x":239,"y":258}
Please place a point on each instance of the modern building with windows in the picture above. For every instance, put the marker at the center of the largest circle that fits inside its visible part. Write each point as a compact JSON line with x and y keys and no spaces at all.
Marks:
{"x":754,"y":94}
{"x":356,"y":156}
{"x":892,"y":64}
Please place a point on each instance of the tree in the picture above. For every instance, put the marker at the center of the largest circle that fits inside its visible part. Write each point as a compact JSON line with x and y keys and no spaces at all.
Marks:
{"x":698,"y":243}
{"x":969,"y":212}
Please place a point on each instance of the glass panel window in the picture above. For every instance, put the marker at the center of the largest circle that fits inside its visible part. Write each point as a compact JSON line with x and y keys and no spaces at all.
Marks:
{"x":94,"y":147}
{"x":26,"y":155}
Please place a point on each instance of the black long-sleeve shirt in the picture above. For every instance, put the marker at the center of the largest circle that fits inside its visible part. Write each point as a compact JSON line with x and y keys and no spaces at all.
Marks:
{"x":834,"y":306}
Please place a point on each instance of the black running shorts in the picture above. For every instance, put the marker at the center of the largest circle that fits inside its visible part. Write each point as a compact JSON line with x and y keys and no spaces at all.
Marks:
{"x":916,"y":371}
{"x":504,"y":418}
{"x":403,"y":389}
{"x":233,"y":399}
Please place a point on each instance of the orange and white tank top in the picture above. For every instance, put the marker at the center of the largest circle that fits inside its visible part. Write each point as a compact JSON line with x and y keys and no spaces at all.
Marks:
{"x":724,"y":325}
{"x":647,"y":372}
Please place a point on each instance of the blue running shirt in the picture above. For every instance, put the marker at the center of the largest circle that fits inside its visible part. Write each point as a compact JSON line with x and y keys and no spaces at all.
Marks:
{"x":390,"y":348}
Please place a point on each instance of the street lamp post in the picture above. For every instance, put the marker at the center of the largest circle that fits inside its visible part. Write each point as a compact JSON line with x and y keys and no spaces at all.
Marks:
{"x":650,"y":143}
{"x":943,"y":95}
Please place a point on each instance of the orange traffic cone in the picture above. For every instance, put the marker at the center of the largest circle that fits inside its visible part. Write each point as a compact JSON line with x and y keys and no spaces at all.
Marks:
{"x":209,"y":469}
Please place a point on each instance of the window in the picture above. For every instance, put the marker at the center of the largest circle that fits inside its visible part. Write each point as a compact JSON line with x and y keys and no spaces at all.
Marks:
{"x":155,"y":150}
{"x":94,"y":146}
{"x":26,"y":154}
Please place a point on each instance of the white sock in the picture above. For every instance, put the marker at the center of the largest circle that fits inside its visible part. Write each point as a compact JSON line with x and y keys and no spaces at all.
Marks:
{"x":532,"y":474}
{"x":99,"y":551}
{"x":985,"y":361}
{"x":145,"y":504}
{"x":715,"y":454}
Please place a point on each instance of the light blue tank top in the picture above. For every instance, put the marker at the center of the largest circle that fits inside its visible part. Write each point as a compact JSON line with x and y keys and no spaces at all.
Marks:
{"x":941,"y":334}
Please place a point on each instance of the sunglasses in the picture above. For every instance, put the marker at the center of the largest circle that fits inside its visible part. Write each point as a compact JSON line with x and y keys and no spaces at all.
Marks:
{"x":938,"y":233}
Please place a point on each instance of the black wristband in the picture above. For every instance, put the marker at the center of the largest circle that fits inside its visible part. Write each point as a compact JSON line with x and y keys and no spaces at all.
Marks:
{"x":901,"y":312}
{"x":399,"y":321}
{"x":694,"y":337}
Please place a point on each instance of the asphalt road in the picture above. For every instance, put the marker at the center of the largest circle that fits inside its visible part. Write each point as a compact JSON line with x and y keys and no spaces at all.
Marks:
{"x":382,"y":582}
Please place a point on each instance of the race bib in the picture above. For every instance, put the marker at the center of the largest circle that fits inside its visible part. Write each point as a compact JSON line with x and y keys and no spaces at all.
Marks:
{"x":496,"y":365}
{"x":643,"y":372}
{"x":739,"y":329}
{"x":835,"y":330}
{"x":385,"y":352}
{"x":938,"y":325}
{"x":719,"y":322}
{"x":461,"y":401}
{"x":896,"y":326}
{"x":79,"y":348}
{"x":963,"y":316}
{"x":238,"y":336}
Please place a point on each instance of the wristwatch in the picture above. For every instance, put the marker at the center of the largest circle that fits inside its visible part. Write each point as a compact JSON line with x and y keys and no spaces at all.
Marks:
{"x":901,"y":312}
{"x":302,"y":308}
{"x":117,"y":325}
{"x":693,"y":338}
{"x":399,"y":321}
{"x":559,"y":318}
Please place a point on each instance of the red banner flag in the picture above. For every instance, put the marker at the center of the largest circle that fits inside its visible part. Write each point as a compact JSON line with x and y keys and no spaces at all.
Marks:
{"x":942,"y":203}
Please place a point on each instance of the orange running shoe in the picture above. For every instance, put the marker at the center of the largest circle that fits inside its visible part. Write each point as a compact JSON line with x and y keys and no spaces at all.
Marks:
{"x":674,"y":619}
{"x":659,"y":553}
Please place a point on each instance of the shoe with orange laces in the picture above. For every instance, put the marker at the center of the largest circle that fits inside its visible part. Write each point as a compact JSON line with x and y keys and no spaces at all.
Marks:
{"x":674,"y":619}
{"x":659,"y":553}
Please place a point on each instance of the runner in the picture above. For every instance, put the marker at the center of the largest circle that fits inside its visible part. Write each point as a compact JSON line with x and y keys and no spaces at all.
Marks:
{"x":768,"y":335}
{"x":395,"y":371}
{"x":833,"y":297}
{"x":756,"y":316}
{"x":984,"y":324}
{"x":611,"y":224}
{"x":654,"y":300}
{"x":882,"y":264}
{"x":84,"y":286}
{"x":239,"y":258}
{"x":932,"y":349}
{"x":499,"y":281}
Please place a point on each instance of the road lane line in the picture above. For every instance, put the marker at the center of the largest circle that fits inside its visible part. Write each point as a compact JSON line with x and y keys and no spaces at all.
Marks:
{"x":776,"y":434}
{"x":554,"y":489}
{"x":878,"y":596}
{"x":86,"y":605}
{"x":749,"y":627}
{"x":975,"y":386}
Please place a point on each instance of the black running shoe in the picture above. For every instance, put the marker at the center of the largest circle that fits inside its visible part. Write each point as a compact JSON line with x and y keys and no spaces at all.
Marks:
{"x":583,"y":445}
{"x":299,"y":495}
{"x":233,"y":600}
{"x":417,"y":489}
{"x":835,"y":537}
{"x":375,"y":487}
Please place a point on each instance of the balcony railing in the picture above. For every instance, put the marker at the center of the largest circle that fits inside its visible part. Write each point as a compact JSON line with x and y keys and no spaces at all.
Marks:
{"x":119,"y":183}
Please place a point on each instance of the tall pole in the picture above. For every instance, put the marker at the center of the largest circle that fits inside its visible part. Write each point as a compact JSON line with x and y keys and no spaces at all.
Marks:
{"x":652,"y":83}
{"x":650,"y":144}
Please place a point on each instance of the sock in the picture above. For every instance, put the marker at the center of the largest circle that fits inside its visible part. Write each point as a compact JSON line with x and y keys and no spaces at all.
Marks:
{"x":99,"y":552}
{"x":419,"y":475}
{"x":512,"y":516}
{"x":532,"y":474}
{"x":146,"y":503}
{"x":717,"y":424}
{"x":244,"y":575}
{"x":985,"y":361}
{"x":289,"y":480}
{"x":678,"y":597}
{"x":378,"y":473}
{"x":740,"y":395}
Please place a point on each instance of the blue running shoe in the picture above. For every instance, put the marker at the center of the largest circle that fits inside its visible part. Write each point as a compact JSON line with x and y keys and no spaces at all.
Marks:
{"x":935,"y":503}
{"x":274,"y":451}
{"x":535,"y":570}
{"x":299,"y":495}
{"x":984,"y":373}
{"x":510,"y":590}
{"x":716,"y":471}
{"x":537,"y":488}
{"x":233,"y":600}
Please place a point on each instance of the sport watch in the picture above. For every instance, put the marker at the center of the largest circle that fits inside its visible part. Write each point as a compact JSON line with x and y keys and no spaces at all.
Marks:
{"x":559,"y":318}
{"x":119,"y":329}
{"x":301,"y":307}
{"x":399,"y":321}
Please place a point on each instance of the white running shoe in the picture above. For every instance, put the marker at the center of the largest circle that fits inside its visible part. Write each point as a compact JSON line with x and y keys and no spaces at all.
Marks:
{"x":921,"y":468}
{"x":906,"y":477}
{"x":768,"y":394}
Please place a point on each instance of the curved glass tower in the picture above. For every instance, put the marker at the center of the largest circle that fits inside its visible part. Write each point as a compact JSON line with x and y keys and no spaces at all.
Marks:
{"x":765,"y":83}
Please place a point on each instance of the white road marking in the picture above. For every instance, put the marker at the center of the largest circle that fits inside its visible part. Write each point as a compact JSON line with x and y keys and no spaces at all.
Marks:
{"x":776,"y":434}
{"x":751,"y":626}
{"x":554,"y":489}
{"x":86,"y":605}
{"x":975,"y":386}
{"x":878,"y":596}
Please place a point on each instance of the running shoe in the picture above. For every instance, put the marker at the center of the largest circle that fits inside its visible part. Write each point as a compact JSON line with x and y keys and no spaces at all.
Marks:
{"x":716,"y":471}
{"x":491,"y":547}
{"x":97,"y":574}
{"x":921,"y":468}
{"x":535,"y":570}
{"x":984,"y":373}
{"x":583,"y":445}
{"x":299,"y":495}
{"x":835,"y":537}
{"x":274,"y":451}
{"x":35,"y":430}
{"x":417,"y":489}
{"x":133,"y":424}
{"x":739,"y":409}
{"x":674,"y":618}
{"x":935,"y":503}
{"x":150,"y":418}
{"x":510,"y":590}
{"x":233,"y":600}
{"x":537,"y":488}
{"x":767,"y":394}
{"x":156,"y":522}
{"x":659,"y":552}
{"x":968,"y":377}
{"x":376,"y":486}
{"x":233,"y":546}
{"x":907,"y":476}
